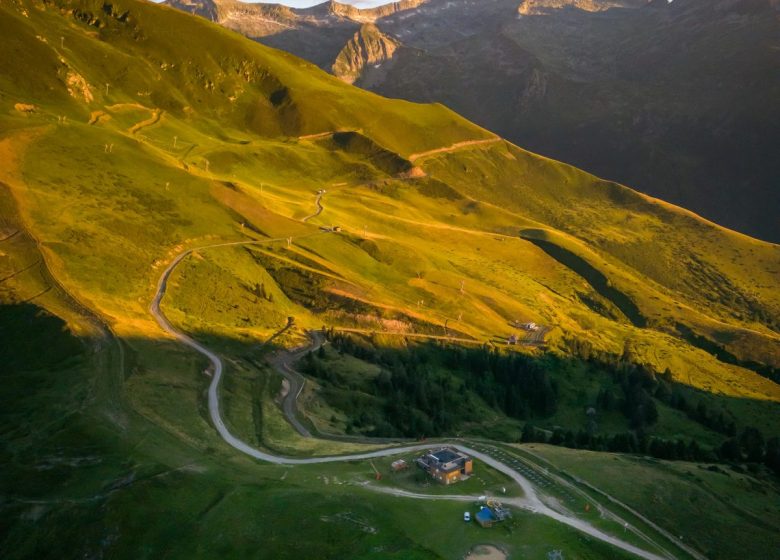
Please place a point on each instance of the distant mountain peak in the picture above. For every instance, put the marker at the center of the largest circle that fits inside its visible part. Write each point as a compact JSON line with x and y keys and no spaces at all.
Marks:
{"x":369,"y":46}
{"x":220,"y":10}
{"x":541,"y":7}
{"x":363,"y":15}
{"x":204,"y":8}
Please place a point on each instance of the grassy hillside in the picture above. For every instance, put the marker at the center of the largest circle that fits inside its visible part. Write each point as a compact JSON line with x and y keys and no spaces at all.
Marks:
{"x":703,"y":503}
{"x":586,"y":82}
{"x":130,"y":132}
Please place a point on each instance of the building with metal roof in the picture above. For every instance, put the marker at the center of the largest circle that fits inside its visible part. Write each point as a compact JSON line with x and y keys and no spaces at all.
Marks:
{"x":447,"y":465}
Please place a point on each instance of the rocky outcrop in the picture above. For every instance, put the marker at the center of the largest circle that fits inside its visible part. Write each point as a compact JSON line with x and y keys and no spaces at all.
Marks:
{"x":254,"y":20}
{"x":204,"y":8}
{"x":534,"y":91}
{"x":263,"y":15}
{"x":541,"y":7}
{"x":369,"y":46}
{"x":414,"y":173}
{"x":78,"y":87}
{"x":25,"y":107}
{"x":364,"y":15}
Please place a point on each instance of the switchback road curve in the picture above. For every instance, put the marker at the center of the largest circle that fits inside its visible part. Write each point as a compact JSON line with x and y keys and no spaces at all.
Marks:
{"x":531,"y":501}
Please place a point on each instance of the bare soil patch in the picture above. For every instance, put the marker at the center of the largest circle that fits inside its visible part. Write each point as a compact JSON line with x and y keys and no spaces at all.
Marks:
{"x":486,"y":552}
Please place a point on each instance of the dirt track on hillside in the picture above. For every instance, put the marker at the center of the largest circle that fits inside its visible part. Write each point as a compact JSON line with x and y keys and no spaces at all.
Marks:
{"x":454,"y":147}
{"x":530,"y":502}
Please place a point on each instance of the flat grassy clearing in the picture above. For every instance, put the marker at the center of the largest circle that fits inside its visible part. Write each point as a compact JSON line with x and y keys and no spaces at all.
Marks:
{"x":484,"y":481}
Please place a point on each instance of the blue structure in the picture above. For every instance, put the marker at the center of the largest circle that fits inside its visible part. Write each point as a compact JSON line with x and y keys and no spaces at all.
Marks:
{"x":485,"y":517}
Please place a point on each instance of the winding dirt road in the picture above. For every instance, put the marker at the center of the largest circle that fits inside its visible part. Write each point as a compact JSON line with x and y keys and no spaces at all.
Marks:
{"x":531,"y":501}
{"x":282,"y":362}
{"x":320,"y":207}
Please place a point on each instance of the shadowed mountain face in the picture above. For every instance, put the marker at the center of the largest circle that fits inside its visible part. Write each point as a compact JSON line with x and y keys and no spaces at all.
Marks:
{"x":675,"y":99}
{"x":319,"y":33}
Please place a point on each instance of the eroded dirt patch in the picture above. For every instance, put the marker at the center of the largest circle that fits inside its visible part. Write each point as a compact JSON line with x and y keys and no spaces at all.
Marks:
{"x":486,"y":552}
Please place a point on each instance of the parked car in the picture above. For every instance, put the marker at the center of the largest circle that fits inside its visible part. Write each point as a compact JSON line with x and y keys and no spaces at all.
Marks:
{"x":467,"y":516}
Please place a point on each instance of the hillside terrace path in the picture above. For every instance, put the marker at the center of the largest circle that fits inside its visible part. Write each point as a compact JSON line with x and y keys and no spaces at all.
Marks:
{"x":454,"y":147}
{"x":531,"y":501}
{"x":412,"y":157}
{"x":404,"y":334}
{"x":154,"y":119}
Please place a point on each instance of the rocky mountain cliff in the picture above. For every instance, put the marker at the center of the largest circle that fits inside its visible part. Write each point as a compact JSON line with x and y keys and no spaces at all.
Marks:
{"x":541,"y":7}
{"x":329,"y":12}
{"x":369,"y":46}
{"x":675,"y":99}
{"x":362,"y":14}
{"x":329,"y":34}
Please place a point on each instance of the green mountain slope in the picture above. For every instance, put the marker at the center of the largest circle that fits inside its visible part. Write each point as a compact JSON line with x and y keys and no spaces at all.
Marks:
{"x":130,"y":132}
{"x":187,"y":145}
{"x":675,"y":99}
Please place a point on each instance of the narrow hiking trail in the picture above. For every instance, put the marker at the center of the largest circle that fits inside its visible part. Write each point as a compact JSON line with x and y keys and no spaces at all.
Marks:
{"x":454,"y":147}
{"x":318,"y":204}
{"x":422,"y":336}
{"x":154,"y":119}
